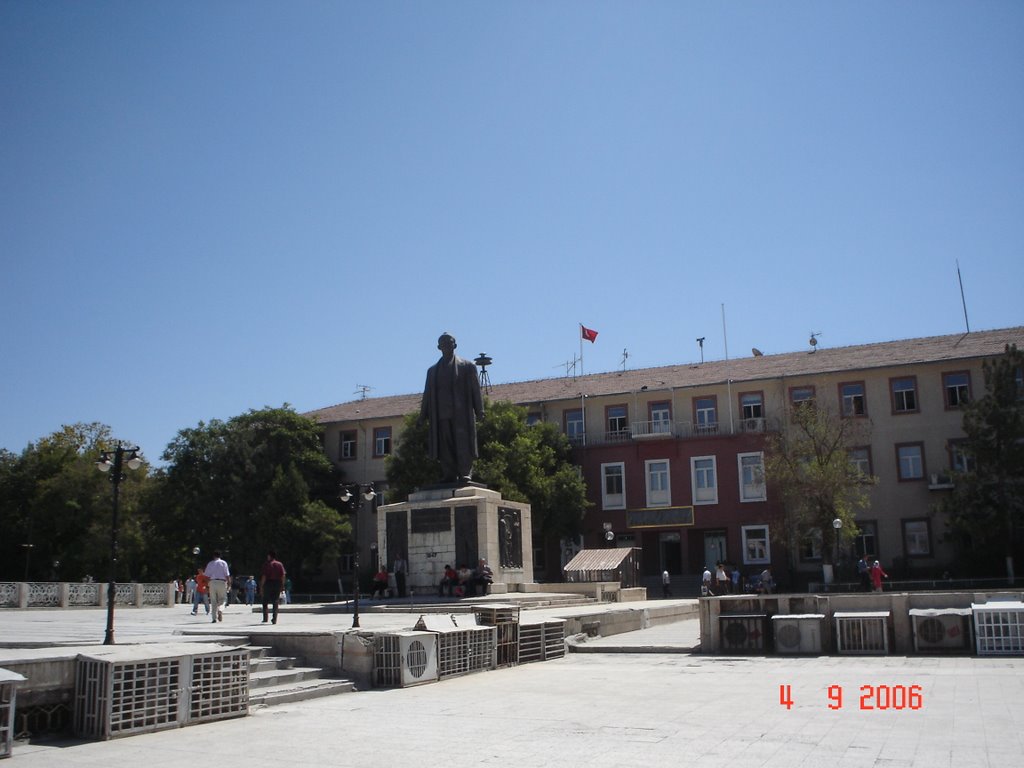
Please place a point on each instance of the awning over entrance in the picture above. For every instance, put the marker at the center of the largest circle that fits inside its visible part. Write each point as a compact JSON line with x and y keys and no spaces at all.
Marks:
{"x":621,"y":565}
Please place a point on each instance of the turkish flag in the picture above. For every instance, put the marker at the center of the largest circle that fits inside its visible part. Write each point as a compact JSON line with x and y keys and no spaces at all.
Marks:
{"x":588,"y":334}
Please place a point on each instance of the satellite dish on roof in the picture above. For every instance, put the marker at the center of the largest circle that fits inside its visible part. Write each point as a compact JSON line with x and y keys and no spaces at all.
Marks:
{"x":814,"y":340}
{"x":757,"y":352}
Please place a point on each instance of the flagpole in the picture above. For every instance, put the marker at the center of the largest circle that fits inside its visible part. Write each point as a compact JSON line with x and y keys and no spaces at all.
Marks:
{"x":580,"y":334}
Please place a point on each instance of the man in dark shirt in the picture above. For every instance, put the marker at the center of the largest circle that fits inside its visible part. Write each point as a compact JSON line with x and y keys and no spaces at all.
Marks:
{"x":271,"y":583}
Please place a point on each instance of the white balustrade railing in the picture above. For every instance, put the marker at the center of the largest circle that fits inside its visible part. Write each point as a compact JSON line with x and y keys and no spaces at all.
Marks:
{"x":49,"y":594}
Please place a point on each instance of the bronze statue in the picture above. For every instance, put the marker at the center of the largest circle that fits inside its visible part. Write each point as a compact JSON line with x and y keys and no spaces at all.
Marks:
{"x":451,"y":404}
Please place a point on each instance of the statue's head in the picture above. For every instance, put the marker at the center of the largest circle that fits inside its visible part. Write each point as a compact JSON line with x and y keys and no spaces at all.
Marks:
{"x":446,"y":343}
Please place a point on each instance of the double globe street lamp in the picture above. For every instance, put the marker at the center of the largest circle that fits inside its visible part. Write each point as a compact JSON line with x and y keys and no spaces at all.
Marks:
{"x":352,"y":496}
{"x":113,"y":463}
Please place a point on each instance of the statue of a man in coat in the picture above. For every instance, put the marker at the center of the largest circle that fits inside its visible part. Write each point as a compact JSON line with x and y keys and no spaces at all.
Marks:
{"x":451,"y":404}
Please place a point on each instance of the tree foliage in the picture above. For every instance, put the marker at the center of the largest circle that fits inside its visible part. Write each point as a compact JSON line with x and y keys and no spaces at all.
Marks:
{"x":528,"y":463}
{"x":56,"y":510}
{"x":257,"y":481}
{"x":986,"y":507}
{"x":808,"y":464}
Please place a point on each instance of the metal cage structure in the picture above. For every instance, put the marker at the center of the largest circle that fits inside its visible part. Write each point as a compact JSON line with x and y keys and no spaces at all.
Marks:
{"x":863,"y":633}
{"x":999,"y":628}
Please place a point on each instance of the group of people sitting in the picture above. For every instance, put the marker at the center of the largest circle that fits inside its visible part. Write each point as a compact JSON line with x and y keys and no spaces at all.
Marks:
{"x":463,"y":582}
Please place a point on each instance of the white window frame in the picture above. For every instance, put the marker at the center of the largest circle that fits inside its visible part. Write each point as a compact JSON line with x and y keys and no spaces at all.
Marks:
{"x":917,"y":540}
{"x":381,"y":442}
{"x":659,"y":483}
{"x":910,"y":466}
{"x":613,"y":500}
{"x":757,"y":542}
{"x":661,"y":418}
{"x":710,"y":492}
{"x":752,"y":491}
{"x":860,"y":459}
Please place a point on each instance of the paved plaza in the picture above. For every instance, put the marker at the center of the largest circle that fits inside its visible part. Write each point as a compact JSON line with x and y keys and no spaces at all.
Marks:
{"x":616,"y":708}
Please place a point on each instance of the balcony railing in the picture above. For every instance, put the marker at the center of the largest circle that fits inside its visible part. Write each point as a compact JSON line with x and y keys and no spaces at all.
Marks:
{"x":662,"y":430}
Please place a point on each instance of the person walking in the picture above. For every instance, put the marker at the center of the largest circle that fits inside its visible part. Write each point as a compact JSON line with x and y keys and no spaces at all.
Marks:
{"x":877,"y":574}
{"x":666,"y":584}
{"x":400,"y":570}
{"x":202,"y":592}
{"x":219,"y":574}
{"x":864,"y":573}
{"x":250,"y":591}
{"x":721,"y":579}
{"x":190,"y":589}
{"x":271,"y":583}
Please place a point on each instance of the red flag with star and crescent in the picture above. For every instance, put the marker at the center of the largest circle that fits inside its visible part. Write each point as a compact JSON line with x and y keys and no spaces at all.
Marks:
{"x":588,"y":334}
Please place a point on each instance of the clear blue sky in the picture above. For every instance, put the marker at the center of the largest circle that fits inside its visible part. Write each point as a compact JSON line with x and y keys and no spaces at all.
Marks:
{"x":212,"y":207}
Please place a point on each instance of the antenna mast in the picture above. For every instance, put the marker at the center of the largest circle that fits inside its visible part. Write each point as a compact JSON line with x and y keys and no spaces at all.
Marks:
{"x":962,"y":299}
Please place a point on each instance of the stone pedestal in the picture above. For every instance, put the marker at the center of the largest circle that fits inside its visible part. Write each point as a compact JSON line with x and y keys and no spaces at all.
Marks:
{"x":457,"y":526}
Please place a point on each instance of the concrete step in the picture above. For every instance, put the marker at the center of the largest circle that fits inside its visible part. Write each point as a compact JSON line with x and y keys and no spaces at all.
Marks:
{"x":281,"y":679}
{"x":300,"y":690}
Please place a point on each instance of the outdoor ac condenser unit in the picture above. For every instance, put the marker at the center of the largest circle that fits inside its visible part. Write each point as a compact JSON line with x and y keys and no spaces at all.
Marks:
{"x":405,"y":658}
{"x":798,"y":633}
{"x":946,"y":630}
{"x":742,"y":632}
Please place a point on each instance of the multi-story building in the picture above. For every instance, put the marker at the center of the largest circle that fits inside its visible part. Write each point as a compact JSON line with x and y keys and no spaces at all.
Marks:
{"x":673,"y":456}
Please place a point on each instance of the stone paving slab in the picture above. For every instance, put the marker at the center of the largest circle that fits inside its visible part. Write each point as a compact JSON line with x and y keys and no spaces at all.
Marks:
{"x":594,"y":710}
{"x":618,"y":710}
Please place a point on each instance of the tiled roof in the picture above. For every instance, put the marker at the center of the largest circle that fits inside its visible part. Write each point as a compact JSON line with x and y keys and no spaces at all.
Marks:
{"x":932,"y":349}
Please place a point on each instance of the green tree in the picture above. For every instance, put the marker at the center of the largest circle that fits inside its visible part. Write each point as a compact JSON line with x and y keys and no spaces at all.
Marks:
{"x":986,"y":507}
{"x":808,"y":464}
{"x":256,"y":481}
{"x":52,"y":498}
{"x":528,"y":463}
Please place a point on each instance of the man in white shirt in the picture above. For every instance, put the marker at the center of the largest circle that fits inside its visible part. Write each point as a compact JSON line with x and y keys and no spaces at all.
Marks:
{"x":219,"y":574}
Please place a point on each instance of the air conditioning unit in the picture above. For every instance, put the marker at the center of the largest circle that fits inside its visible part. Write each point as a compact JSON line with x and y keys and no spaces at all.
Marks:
{"x":797,"y":632}
{"x":945,"y":630}
{"x":742,"y":632}
{"x":402,"y":659}
{"x":862,"y":632}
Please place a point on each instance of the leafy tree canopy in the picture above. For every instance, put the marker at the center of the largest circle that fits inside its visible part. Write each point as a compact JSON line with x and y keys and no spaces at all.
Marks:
{"x":56,"y":509}
{"x":808,"y":463}
{"x":986,"y":507}
{"x":257,"y":481}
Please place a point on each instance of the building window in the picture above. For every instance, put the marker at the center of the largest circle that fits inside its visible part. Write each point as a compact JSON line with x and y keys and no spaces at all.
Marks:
{"x":910,"y":461}
{"x":801,"y":396}
{"x":917,"y":540}
{"x":811,"y":544}
{"x":533,"y":417}
{"x":851,"y":398}
{"x":661,"y":418}
{"x":957,"y":387}
{"x":751,"y":467}
{"x":904,"y":394}
{"x":347,"y":446}
{"x":574,"y":425}
{"x":866,"y":542}
{"x":705,"y":486}
{"x":381,"y":441}
{"x":752,"y":411}
{"x":756,"y":549}
{"x":659,"y":492}
{"x":959,"y":459}
{"x":705,"y":414}
{"x":860,"y":458}
{"x":613,"y":486}
{"x":618,"y":427}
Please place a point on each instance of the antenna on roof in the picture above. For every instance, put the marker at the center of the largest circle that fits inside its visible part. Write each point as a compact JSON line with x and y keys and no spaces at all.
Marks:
{"x":700,"y":343}
{"x":625,"y":357}
{"x":962,"y":299}
{"x":814,"y":341}
{"x":361,"y":390}
{"x":570,"y":365}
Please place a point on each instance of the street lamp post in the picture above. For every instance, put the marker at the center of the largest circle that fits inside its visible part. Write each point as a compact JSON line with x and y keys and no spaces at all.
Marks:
{"x":113,"y":462}
{"x":350,"y":496}
{"x":837,"y":525}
